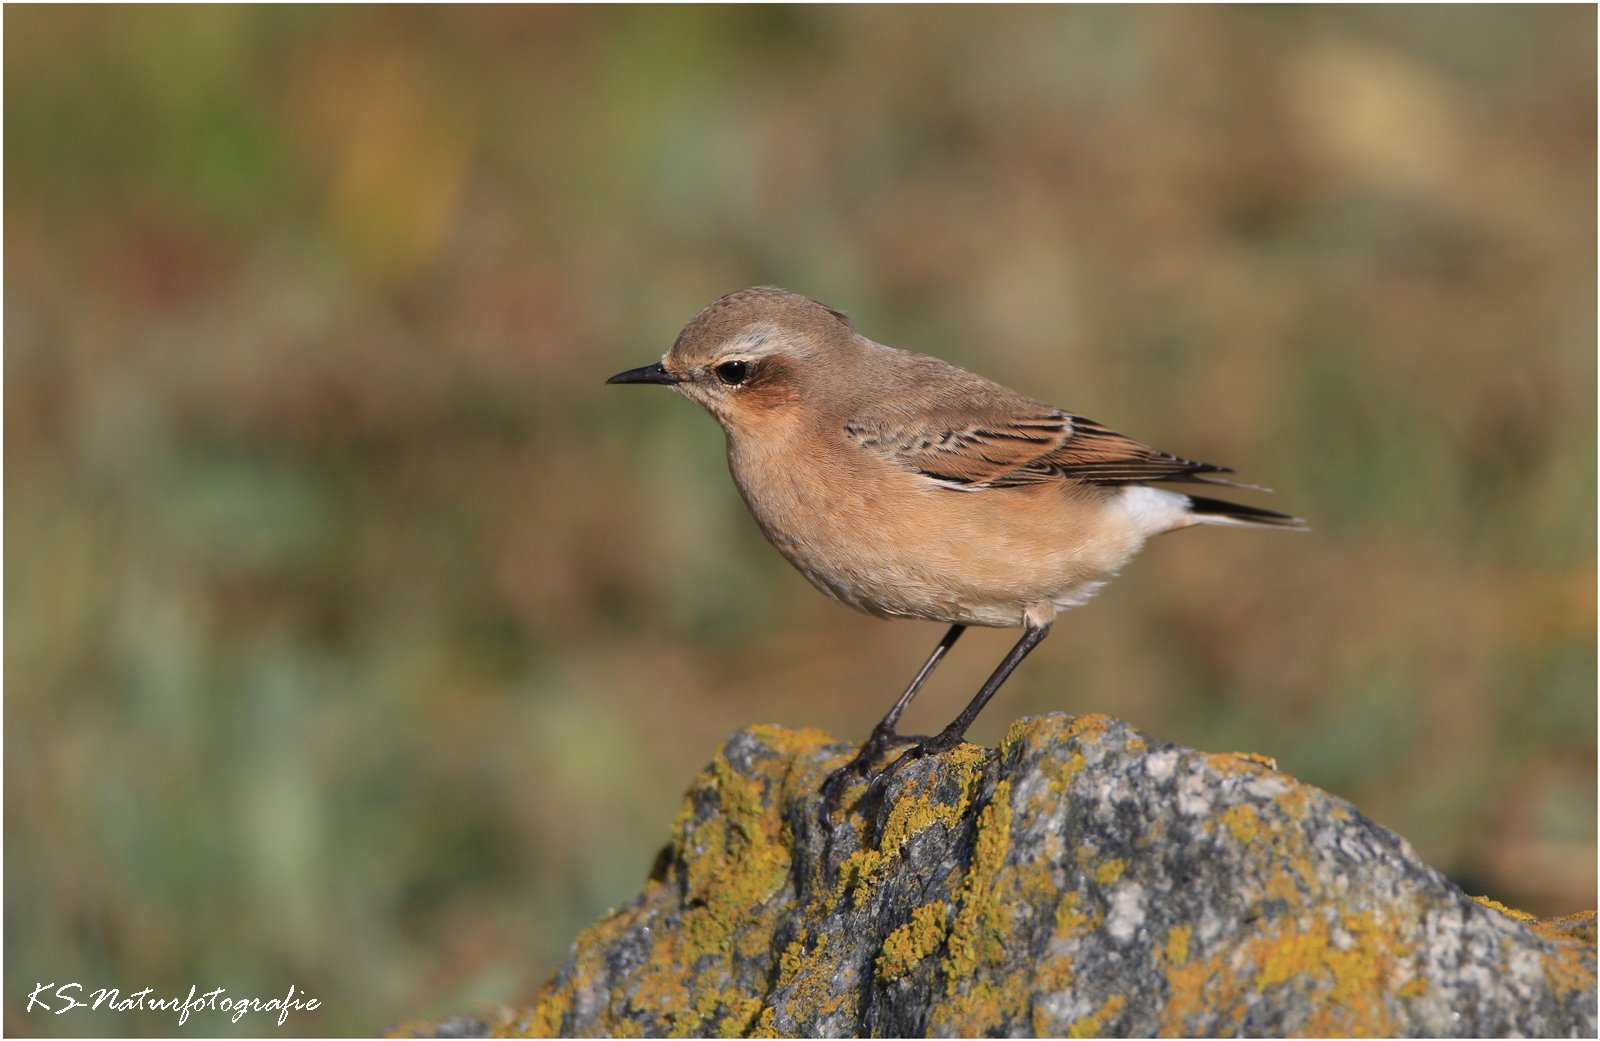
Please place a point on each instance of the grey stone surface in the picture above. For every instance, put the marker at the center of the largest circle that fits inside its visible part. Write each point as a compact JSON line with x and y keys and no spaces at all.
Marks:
{"x":1080,"y":880}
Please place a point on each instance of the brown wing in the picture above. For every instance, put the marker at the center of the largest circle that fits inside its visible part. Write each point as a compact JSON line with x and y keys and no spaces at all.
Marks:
{"x":1091,"y":452}
{"x":1005,"y":451}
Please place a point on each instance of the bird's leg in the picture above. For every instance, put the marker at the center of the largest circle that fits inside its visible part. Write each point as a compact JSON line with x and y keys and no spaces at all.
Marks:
{"x":883,"y":735}
{"x":950,"y":736}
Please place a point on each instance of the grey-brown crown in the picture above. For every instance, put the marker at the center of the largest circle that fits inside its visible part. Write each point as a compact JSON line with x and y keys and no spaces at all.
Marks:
{"x":723,"y":318}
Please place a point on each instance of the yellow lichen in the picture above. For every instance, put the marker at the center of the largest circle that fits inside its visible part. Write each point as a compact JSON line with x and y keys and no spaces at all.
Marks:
{"x":807,"y":974}
{"x":983,"y":994}
{"x":980,"y":925}
{"x":792,"y":958}
{"x":1509,"y":912}
{"x":1109,"y":872}
{"x":1019,"y":732}
{"x":741,"y":859}
{"x":982,"y":1006}
{"x":731,"y":864}
{"x":1257,"y":758}
{"x":1344,"y":980}
{"x":1563,"y":972}
{"x":1242,"y":822}
{"x":1354,"y":974}
{"x":741,"y":1017}
{"x":1295,"y":800}
{"x":908,"y":945}
{"x":549,"y":1009}
{"x":792,"y":744}
{"x":1580,"y":926}
{"x":1241,"y":764}
{"x":1351,"y":971}
{"x":856,"y":877}
{"x":1070,"y":921}
{"x":766,"y":1024}
{"x":1570,"y":968}
{"x":1199,"y":987}
{"x":1094,"y":1024}
{"x":1177,"y":949}
{"x":1090,"y":724}
{"x":1292,"y":956}
{"x":913,"y":814}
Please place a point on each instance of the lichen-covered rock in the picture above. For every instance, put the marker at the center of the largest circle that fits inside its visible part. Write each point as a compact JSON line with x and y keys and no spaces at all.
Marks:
{"x":1080,"y":880}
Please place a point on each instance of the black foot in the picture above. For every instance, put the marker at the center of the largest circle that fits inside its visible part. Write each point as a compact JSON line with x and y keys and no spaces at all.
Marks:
{"x":936,"y":745}
{"x":881,"y":741}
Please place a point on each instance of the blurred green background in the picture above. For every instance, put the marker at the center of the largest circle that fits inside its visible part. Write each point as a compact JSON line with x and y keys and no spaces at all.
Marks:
{"x":359,"y":638}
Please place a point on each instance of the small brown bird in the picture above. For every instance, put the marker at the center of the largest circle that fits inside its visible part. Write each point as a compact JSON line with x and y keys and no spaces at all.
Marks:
{"x":907,"y":487}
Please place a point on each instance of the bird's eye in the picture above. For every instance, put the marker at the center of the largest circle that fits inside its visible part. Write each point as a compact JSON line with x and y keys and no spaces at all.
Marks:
{"x":733,"y":372}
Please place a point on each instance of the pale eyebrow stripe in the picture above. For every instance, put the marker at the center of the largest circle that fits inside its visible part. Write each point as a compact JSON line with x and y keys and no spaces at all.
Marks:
{"x":753,"y":341}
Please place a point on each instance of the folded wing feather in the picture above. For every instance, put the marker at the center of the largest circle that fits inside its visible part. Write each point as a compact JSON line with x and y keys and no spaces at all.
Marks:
{"x":1004,"y":450}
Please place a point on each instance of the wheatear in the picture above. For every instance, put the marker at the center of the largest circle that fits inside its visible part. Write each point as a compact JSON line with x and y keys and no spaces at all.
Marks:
{"x":907,"y":487}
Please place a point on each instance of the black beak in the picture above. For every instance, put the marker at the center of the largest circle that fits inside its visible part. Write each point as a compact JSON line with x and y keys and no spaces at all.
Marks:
{"x":656,"y":373}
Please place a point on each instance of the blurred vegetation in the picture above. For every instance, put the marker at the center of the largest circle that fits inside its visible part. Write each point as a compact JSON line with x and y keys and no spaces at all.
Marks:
{"x":359,"y":639}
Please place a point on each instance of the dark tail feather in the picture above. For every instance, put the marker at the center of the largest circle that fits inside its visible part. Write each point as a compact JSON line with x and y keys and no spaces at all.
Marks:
{"x":1215,"y":511}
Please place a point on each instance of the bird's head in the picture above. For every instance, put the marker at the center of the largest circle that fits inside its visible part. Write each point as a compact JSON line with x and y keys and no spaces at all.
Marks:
{"x":751,"y":354}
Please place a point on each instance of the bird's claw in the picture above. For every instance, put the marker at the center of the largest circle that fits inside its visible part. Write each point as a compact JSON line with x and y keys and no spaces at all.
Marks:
{"x":881,"y":740}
